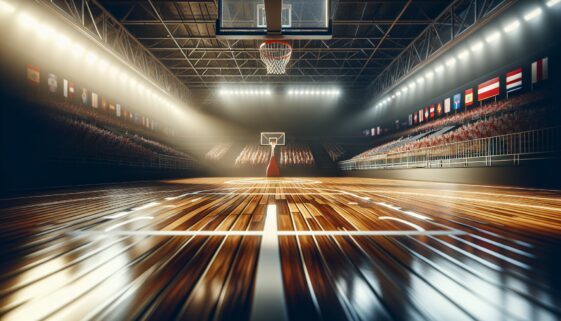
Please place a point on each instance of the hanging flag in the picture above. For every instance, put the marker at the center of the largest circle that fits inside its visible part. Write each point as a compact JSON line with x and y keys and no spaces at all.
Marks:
{"x":415,"y":118}
{"x":118,"y":110}
{"x":439,"y":109}
{"x":94,"y":100}
{"x":52,"y":83}
{"x":70,"y":90}
{"x":84,"y":96}
{"x":457,"y":101}
{"x":447,"y":105}
{"x":488,"y":89}
{"x":65,"y":88}
{"x":411,"y":120}
{"x":539,"y":70}
{"x":427,"y":113}
{"x":431,"y":111}
{"x":514,"y":80}
{"x":378,"y":130}
{"x":372,"y":131}
{"x":33,"y":75}
{"x":111,"y":106}
{"x":421,"y":118}
{"x":468,"y":97}
{"x":103,"y":104}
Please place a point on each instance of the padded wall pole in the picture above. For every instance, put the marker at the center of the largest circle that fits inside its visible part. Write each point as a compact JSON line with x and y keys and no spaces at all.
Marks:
{"x":273,"y":11}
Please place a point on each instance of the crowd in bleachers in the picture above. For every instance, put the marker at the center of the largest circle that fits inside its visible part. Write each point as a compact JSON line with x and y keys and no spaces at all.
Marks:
{"x":296,"y":154}
{"x":497,"y":118}
{"x":252,"y":155}
{"x":334,"y":150}
{"x":217,"y":152}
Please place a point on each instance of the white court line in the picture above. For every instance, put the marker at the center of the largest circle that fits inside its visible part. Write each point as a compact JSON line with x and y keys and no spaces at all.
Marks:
{"x":415,"y":226}
{"x":261,"y":233}
{"x":410,"y":213}
{"x":125,"y":213}
{"x":140,"y":218}
{"x":268,"y":300}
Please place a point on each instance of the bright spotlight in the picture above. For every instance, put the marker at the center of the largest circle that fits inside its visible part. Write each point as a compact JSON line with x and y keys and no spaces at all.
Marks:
{"x":103,"y":65}
{"x":6,"y":7}
{"x":493,"y":37}
{"x":62,"y":41}
{"x":91,"y":58}
{"x":27,"y":21}
{"x":45,"y":31}
{"x":551,"y":3}
{"x":398,"y":93}
{"x":77,"y":50}
{"x":464,"y":54}
{"x":429,"y":74}
{"x":420,"y":80}
{"x":393,"y":96}
{"x":533,"y":14}
{"x":404,"y":89}
{"x":477,"y":46}
{"x":512,"y":26}
{"x":268,"y":92}
{"x":451,"y":62}
{"x":439,"y":68}
{"x":412,"y":85}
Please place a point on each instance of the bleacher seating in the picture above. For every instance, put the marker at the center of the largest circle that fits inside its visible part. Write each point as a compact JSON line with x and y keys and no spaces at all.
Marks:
{"x":217,"y":152}
{"x":334,"y":150}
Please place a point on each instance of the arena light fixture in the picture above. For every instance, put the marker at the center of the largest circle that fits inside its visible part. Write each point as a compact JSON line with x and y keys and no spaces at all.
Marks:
{"x":533,"y":14}
{"x":398,"y":93}
{"x":451,"y":62}
{"x":478,"y":46}
{"x":91,"y":58}
{"x":439,"y":68}
{"x":494,"y":36}
{"x":404,"y":89}
{"x":464,"y":54}
{"x":429,"y":74}
{"x":512,"y":26}
{"x":412,"y":84}
{"x":77,"y":50}
{"x":45,"y":31}
{"x":552,"y":3}
{"x":420,"y":80}
{"x":27,"y":21}
{"x":62,"y":41}
{"x":6,"y":8}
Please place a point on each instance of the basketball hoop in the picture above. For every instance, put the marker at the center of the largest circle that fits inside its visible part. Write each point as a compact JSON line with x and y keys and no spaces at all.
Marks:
{"x":275,"y":54}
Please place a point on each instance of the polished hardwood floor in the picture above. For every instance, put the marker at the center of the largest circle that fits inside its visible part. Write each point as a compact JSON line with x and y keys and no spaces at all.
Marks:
{"x":282,"y":249}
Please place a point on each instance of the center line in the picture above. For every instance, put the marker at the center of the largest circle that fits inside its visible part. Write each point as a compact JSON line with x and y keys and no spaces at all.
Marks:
{"x":269,"y":303}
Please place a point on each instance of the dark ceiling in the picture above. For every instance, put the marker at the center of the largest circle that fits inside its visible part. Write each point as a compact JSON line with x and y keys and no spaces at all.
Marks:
{"x":367,"y":36}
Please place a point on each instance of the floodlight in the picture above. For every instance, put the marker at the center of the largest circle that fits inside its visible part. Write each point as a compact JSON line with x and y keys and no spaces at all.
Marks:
{"x":551,"y":3}
{"x":533,"y":14}
{"x":512,"y":26}
{"x":493,"y":37}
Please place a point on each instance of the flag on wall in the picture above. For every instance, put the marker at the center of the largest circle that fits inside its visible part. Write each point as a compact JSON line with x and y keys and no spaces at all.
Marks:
{"x":431,"y":111}
{"x":488,"y":89}
{"x":111,"y":106}
{"x":447,"y":105}
{"x":415,"y":118}
{"x":411,"y":120}
{"x":68,"y":90}
{"x":52,"y":82}
{"x":539,"y":70}
{"x":439,"y":108}
{"x":514,"y":80}
{"x":372,"y":131}
{"x":468,"y":97}
{"x":84,"y":96}
{"x":33,"y":74}
{"x":457,"y":101}
{"x":427,"y":113}
{"x":421,"y":115}
{"x":103,"y":104}
{"x":378,"y":130}
{"x":94,"y":100}
{"x":118,"y":110}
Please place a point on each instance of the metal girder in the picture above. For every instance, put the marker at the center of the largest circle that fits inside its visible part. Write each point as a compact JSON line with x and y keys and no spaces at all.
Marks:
{"x":461,"y":18}
{"x":151,"y":22}
{"x":89,"y":17}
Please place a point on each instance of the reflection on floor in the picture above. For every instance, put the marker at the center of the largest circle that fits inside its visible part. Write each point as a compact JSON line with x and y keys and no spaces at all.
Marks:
{"x":282,"y":249}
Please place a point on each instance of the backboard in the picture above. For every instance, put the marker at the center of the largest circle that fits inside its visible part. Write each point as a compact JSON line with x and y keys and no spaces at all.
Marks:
{"x":299,"y":19}
{"x":273,"y":138}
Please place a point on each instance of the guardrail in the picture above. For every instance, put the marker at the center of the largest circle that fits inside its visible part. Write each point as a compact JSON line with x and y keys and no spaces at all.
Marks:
{"x":159,"y":161}
{"x":490,"y":151}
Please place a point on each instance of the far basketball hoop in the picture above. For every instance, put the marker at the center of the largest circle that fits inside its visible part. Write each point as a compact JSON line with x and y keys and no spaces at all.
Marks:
{"x":272,"y":139}
{"x":275,"y":54}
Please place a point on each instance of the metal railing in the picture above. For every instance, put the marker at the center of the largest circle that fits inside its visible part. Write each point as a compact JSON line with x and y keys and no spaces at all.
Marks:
{"x":490,"y":151}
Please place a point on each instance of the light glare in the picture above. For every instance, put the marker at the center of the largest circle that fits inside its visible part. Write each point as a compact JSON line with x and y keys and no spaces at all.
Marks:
{"x":512,"y":26}
{"x":533,"y":14}
{"x":551,"y":3}
{"x":6,"y":7}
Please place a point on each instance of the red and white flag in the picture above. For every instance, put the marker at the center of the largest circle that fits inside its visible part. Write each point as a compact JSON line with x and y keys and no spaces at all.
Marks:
{"x":488,"y":89}
{"x":539,"y":70}
{"x":33,"y":74}
{"x":468,"y":94}
{"x":514,"y":80}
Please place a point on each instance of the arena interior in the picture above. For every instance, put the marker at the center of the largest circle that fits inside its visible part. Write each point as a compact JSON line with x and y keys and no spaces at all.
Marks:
{"x":276,"y":160}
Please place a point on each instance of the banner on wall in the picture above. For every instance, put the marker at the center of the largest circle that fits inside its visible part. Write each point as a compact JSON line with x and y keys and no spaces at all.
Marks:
{"x":94,"y":100}
{"x":539,"y":70}
{"x":415,"y":118}
{"x":457,"y":101}
{"x":421,"y":114}
{"x":427,"y":113}
{"x":33,"y":75}
{"x":468,"y":97}
{"x":431,"y":111}
{"x":447,"y":105}
{"x":411,"y":120}
{"x":439,"y":109}
{"x":52,"y":82}
{"x":514,"y":80}
{"x":488,"y":89}
{"x":84,"y":96}
{"x":118,"y":110}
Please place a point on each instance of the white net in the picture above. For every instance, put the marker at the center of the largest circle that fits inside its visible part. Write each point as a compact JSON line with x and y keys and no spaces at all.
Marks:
{"x":275,"y":55}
